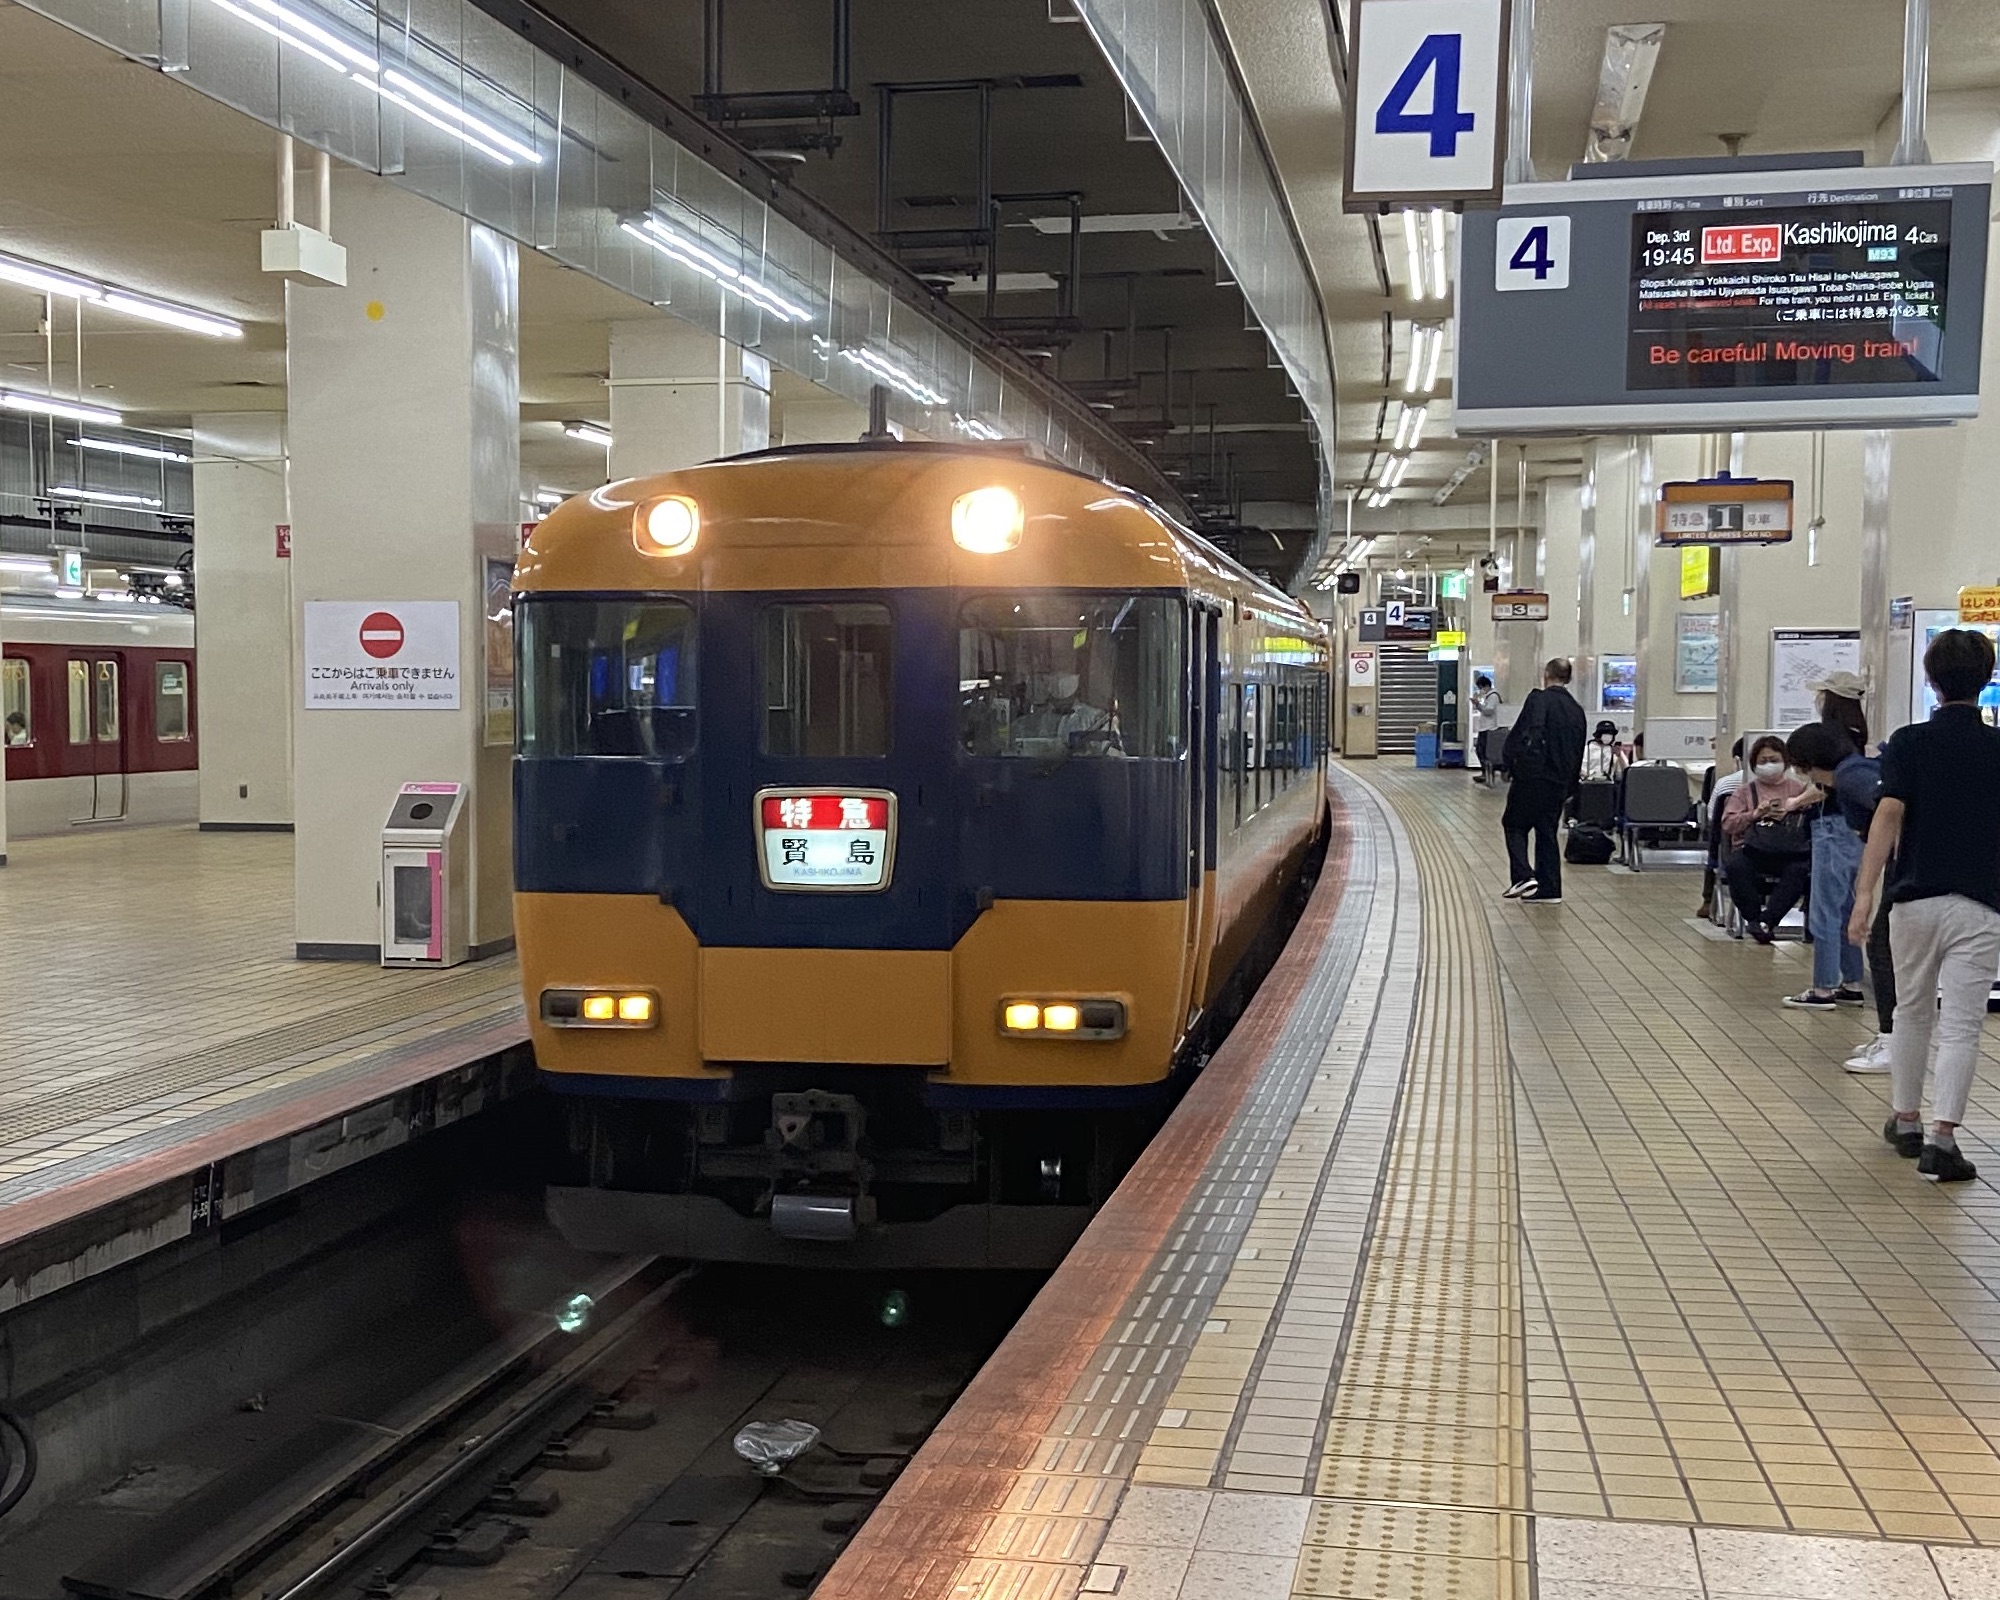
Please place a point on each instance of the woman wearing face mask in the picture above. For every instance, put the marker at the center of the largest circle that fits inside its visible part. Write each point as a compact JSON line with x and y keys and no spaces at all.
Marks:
{"x":1603,"y":762}
{"x":1766,"y":841}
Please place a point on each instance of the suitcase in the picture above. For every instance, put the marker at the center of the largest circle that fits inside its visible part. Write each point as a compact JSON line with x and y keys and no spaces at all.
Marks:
{"x":1588,"y":846}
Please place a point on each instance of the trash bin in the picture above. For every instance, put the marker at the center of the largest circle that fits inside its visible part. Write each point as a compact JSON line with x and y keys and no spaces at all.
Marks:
{"x":425,"y":890}
{"x":1427,"y":744}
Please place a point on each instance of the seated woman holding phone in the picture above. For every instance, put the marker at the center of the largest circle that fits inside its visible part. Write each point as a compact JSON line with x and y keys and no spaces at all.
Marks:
{"x":1765,"y":841}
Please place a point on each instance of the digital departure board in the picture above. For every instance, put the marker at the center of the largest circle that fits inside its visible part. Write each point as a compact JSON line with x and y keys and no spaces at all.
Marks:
{"x":1681,"y":301}
{"x":1816,"y":295}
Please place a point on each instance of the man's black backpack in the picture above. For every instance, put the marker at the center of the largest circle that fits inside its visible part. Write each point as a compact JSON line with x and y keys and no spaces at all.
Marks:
{"x":1588,"y":845}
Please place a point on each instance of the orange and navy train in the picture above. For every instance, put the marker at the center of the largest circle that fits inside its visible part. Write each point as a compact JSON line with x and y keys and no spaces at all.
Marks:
{"x":889,"y":822}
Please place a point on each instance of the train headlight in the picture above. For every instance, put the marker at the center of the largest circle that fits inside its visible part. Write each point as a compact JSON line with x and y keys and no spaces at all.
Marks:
{"x":1063,"y":1019}
{"x":600,"y":1008}
{"x":987,"y":521}
{"x":668,"y":526}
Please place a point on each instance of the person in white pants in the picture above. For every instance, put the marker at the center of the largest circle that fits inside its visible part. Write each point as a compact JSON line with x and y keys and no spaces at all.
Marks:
{"x":1940,"y":817}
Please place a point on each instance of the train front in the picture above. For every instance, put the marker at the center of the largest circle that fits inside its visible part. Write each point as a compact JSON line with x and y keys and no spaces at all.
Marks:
{"x":852,"y":852}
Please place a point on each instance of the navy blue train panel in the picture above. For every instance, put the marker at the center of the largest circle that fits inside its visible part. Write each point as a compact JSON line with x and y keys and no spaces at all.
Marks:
{"x":969,"y":830}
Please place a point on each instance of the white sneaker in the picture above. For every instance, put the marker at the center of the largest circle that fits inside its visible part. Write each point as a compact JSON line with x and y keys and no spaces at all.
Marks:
{"x":1871,"y":1057}
{"x":1514,"y":891}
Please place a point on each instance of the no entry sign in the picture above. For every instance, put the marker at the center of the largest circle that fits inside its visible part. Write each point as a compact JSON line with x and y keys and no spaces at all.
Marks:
{"x":382,"y":655}
{"x":381,"y":634}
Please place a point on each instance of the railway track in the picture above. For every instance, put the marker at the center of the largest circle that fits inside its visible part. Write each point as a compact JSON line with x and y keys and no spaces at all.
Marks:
{"x":598,"y":1461}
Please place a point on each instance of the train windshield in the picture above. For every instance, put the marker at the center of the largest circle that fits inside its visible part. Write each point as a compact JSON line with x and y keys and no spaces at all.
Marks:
{"x":1071,"y":674}
{"x":607,"y":677}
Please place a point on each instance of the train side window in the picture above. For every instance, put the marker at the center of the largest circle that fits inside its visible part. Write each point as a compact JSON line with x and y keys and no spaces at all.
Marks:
{"x":827,"y":673}
{"x":16,"y":701}
{"x":79,"y":702}
{"x":170,"y":702}
{"x":606,"y":678}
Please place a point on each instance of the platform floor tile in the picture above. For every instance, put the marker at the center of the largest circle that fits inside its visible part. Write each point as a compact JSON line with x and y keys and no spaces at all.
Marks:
{"x":151,"y":987}
{"x":1741,"y":1309}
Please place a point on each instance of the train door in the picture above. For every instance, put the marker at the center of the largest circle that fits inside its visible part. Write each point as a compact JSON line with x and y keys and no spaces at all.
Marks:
{"x":97,"y":735}
{"x":1205,"y":706}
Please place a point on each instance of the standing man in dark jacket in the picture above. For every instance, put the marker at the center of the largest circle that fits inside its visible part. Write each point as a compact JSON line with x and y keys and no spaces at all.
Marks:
{"x":1545,"y":754}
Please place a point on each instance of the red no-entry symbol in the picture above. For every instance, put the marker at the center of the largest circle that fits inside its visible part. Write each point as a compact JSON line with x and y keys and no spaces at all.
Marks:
{"x":381,"y":634}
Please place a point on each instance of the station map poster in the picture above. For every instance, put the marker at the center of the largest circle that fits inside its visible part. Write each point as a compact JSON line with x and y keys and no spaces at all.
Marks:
{"x":1697,"y":641}
{"x":1800,"y":658}
{"x":381,"y":655}
{"x":1784,"y":296}
{"x":499,"y":649}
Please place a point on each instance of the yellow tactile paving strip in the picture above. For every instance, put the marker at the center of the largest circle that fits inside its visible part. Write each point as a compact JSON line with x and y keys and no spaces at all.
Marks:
{"x":1742,"y":1308}
{"x":147,"y":979}
{"x":1424,"y":1474}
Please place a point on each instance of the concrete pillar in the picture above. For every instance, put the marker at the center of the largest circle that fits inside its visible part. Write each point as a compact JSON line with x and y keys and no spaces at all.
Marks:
{"x":405,"y":451}
{"x":243,"y":622}
{"x":681,"y":395}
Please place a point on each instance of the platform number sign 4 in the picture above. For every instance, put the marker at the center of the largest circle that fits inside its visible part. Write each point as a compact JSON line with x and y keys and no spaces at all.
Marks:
{"x":1531,"y":253}
{"x":1426,"y":118}
{"x":1438,"y":58}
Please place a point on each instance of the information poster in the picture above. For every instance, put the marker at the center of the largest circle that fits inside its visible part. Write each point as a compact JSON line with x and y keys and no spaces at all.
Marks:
{"x":1790,"y":297}
{"x":1697,"y":642}
{"x":499,"y":663}
{"x":1801,"y":658}
{"x":381,"y":655}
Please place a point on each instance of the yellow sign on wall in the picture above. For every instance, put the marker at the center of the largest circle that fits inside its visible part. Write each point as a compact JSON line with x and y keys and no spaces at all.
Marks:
{"x":1979,"y":605}
{"x":1698,"y":574}
{"x":1451,"y":639}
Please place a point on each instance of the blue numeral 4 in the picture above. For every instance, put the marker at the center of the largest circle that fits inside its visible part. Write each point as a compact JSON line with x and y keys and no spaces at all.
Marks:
{"x":1532,"y":255}
{"x":1444,"y":122}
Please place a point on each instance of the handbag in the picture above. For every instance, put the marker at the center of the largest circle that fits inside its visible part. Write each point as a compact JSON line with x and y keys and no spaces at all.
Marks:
{"x":1779,"y":836}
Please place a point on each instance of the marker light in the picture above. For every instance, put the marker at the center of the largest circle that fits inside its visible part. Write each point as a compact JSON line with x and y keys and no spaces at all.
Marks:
{"x":600,"y":1008}
{"x":669,"y":526}
{"x":1063,"y":1019}
{"x":987,"y":521}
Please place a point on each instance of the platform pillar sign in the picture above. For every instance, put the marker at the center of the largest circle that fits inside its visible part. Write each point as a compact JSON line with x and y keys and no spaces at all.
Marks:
{"x":1427,"y":118}
{"x":1520,"y":605}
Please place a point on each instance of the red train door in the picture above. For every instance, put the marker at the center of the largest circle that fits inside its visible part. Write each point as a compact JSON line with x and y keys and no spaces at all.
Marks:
{"x":97,"y":735}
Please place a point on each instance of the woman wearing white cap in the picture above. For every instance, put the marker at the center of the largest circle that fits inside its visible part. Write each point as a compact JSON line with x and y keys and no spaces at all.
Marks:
{"x":1836,"y":858}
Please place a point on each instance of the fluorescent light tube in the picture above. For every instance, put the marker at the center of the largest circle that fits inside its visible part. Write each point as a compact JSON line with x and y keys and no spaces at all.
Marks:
{"x":1388,"y":472}
{"x":47,"y":280}
{"x":894,"y":376}
{"x":589,"y":433}
{"x":1431,"y":361}
{"x":43,"y":406}
{"x":677,"y":246}
{"x":472,"y":125}
{"x":1403,"y":429}
{"x":114,"y":447}
{"x":1401,"y":468}
{"x":172,"y":316}
{"x":109,"y":497}
{"x":1411,"y":377}
{"x":1414,"y":251}
{"x":1440,"y":274}
{"x":1421,"y":415}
